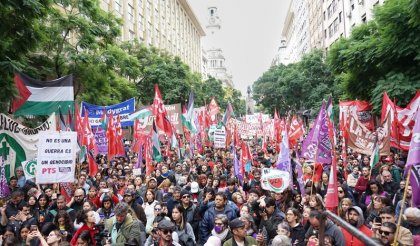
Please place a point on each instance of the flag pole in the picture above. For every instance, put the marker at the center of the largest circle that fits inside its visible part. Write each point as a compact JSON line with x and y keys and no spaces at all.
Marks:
{"x":402,"y":206}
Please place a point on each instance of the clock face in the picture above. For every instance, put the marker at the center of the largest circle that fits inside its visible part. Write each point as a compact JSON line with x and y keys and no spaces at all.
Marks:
{"x":212,"y":20}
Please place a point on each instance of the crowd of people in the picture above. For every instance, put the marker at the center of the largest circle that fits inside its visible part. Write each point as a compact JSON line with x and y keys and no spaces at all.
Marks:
{"x":198,"y":200}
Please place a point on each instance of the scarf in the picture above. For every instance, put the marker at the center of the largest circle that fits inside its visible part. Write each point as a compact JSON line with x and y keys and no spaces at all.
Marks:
{"x":221,"y":236}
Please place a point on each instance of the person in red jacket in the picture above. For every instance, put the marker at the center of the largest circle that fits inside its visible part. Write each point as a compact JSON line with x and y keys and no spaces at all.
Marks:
{"x":89,"y":225}
{"x":363,"y":180}
{"x":354,"y":216}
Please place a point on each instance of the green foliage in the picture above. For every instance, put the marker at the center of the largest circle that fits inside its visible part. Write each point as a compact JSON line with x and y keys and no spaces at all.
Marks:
{"x":381,"y":55}
{"x":296,"y":86}
{"x":19,"y":34}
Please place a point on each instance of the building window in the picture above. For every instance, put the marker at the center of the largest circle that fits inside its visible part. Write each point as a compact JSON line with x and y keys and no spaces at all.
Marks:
{"x":364,"y":18}
{"x":339,"y":16}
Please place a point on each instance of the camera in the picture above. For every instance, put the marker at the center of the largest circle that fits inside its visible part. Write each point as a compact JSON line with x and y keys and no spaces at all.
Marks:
{"x":101,"y":234}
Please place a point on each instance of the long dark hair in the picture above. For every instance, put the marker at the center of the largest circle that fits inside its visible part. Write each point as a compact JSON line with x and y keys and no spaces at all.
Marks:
{"x":374,"y":182}
{"x":43,"y":195}
{"x":68,"y":225}
{"x":181,"y":210}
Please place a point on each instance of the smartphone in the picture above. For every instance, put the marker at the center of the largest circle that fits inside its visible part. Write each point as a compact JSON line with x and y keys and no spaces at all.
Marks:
{"x":259,"y":231}
{"x":105,"y":190}
{"x":34,"y":227}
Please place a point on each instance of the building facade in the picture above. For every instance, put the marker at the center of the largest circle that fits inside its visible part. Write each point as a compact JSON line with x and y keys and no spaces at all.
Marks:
{"x":295,"y":40}
{"x":340,"y":16}
{"x":169,"y":25}
{"x":318,"y":24}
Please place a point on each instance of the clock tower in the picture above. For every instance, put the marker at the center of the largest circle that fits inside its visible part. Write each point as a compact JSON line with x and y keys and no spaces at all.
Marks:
{"x":214,"y":20}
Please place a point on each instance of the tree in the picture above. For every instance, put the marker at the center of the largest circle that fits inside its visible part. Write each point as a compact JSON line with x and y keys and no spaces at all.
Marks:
{"x":381,"y":55}
{"x":19,"y":34}
{"x":296,"y":86}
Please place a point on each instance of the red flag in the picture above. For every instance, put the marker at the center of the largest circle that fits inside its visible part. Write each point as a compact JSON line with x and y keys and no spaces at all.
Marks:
{"x":402,"y":119}
{"x":277,"y":130}
{"x":88,"y":139}
{"x":213,"y":111}
{"x":245,"y":158}
{"x":110,"y":135}
{"x":148,"y":156}
{"x":295,"y":131}
{"x":159,"y":112}
{"x":119,"y":138}
{"x":93,"y":166}
{"x":23,"y":91}
{"x":66,"y":191}
{"x":331,"y":199}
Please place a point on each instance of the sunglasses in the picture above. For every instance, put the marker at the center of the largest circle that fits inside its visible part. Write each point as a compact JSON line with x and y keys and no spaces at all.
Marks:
{"x":386,"y":233}
{"x":164,"y":231}
{"x":186,"y":196}
{"x":158,"y":209}
{"x":340,"y":191}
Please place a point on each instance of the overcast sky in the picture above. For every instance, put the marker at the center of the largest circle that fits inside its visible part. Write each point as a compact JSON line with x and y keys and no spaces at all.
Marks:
{"x":250,"y":34}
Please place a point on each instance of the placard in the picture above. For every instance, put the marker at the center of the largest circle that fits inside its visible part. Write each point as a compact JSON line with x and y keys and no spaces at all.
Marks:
{"x":56,"y":157}
{"x":274,"y":180}
{"x":95,"y":112}
{"x":219,"y":138}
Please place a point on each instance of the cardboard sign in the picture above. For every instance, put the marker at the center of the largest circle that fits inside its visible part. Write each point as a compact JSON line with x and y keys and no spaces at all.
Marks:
{"x":56,"y":157}
{"x":219,"y":138}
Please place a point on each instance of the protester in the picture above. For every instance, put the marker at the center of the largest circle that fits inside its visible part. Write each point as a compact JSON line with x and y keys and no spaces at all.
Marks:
{"x":354,"y":216}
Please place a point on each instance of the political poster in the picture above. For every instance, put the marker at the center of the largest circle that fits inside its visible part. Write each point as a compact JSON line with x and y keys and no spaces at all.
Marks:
{"x":174,"y":113}
{"x":56,"y":157}
{"x":95,"y":112}
{"x":274,"y":180}
{"x":219,"y":138}
{"x":101,"y":140}
{"x":19,"y":143}
{"x":361,"y":108}
{"x":29,"y":169}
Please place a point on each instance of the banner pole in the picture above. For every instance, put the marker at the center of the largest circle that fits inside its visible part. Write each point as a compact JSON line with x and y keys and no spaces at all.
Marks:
{"x":402,"y":206}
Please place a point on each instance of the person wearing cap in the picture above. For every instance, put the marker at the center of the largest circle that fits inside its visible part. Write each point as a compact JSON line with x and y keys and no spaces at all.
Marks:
{"x":129,"y":198}
{"x":239,"y":235}
{"x":151,"y":184}
{"x":123,"y":227}
{"x":178,"y":172}
{"x":165,"y":230}
{"x":189,"y":209}
{"x":354,"y":216}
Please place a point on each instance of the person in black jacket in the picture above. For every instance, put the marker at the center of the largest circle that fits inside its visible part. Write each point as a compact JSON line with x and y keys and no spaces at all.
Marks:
{"x":269,"y":218}
{"x":297,"y":233}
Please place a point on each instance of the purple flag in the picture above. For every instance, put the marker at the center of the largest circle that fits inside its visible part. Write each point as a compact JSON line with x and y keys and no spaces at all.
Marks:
{"x":283,"y":162}
{"x":298,"y":167}
{"x":413,"y":160}
{"x":236,"y":167}
{"x":139,"y":157}
{"x":4,"y":188}
{"x":318,"y":140}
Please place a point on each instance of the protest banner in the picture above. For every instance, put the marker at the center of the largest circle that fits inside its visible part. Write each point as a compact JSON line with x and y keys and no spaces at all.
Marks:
{"x":219,"y":138}
{"x":362,"y":110}
{"x":95,"y":112}
{"x":19,"y":143}
{"x":56,"y":157}
{"x":274,"y":180}
{"x":174,"y":113}
{"x":362,"y":140}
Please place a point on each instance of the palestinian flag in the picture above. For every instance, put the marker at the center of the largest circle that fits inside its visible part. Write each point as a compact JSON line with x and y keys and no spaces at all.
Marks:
{"x":374,"y":158}
{"x":155,"y":144}
{"x":189,"y":116}
{"x":42,"y":97}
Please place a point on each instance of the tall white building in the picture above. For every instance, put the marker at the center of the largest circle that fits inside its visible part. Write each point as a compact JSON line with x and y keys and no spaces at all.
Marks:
{"x":317,"y":24}
{"x":341,"y":16}
{"x":170,"y":25}
{"x":295,"y":40}
{"x":214,"y":57}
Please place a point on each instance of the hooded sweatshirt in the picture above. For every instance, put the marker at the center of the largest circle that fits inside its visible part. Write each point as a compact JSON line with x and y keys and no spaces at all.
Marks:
{"x":352,"y":240}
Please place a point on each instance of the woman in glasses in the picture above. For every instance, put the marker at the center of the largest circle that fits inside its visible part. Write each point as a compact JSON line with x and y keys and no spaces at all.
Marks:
{"x":221,"y":228}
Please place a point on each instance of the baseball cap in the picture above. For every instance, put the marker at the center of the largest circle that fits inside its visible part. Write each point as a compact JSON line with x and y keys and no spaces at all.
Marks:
{"x":236,"y":223}
{"x":166,"y":225}
{"x":194,"y":187}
